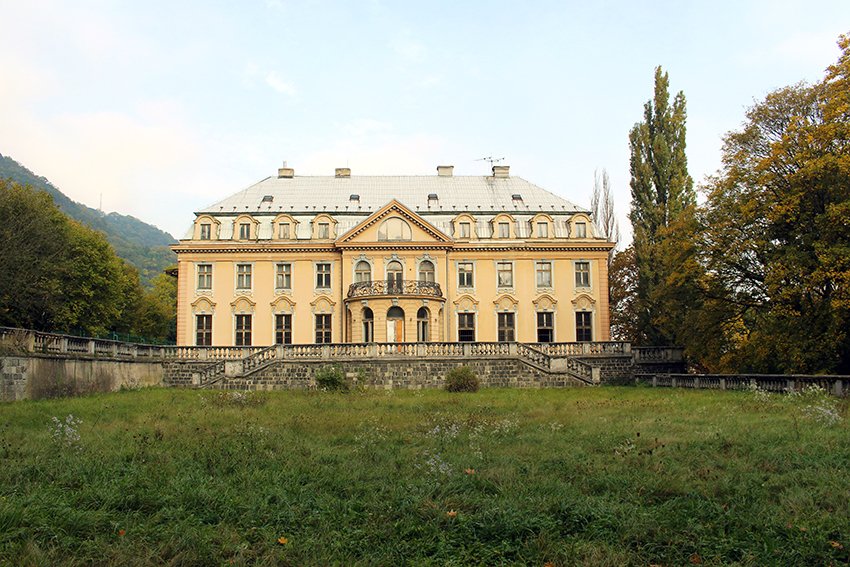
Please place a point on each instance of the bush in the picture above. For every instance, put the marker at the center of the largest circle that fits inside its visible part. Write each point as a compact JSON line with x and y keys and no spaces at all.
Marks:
{"x":462,"y":379}
{"x":332,"y":379}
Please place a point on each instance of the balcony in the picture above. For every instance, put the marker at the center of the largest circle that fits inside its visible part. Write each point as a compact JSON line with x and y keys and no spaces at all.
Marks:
{"x":394,"y":287}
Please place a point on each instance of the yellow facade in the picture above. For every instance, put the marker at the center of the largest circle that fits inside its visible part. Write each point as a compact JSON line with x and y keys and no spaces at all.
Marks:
{"x":265,"y":276}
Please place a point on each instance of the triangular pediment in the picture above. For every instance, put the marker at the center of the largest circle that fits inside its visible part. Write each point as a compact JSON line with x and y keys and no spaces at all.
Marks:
{"x":367,"y":231}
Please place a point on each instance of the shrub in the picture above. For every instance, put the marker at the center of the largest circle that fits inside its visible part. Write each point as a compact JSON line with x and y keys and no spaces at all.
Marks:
{"x":462,"y":379}
{"x":332,"y":379}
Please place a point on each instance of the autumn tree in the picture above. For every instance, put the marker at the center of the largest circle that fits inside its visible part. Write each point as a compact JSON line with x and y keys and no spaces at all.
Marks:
{"x":777,"y":235}
{"x":662,"y":191}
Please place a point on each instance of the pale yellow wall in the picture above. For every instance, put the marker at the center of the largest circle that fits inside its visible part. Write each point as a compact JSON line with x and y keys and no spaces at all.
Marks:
{"x":343,"y":257}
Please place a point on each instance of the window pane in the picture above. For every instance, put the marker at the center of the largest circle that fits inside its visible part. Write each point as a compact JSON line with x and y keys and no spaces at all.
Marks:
{"x":582,"y":274}
{"x":426,"y":271}
{"x":205,"y":232}
{"x":245,"y":231}
{"x":243,"y":276}
{"x":362,"y":271}
{"x":464,"y":272}
{"x":544,"y":274}
{"x":324,"y":230}
{"x":323,"y":329}
{"x":543,"y":230}
{"x":283,"y":276}
{"x":283,"y":231}
{"x":283,"y":329}
{"x":504,"y":230}
{"x":584,"y":328}
{"x":466,"y":327}
{"x":243,"y":330}
{"x":545,"y":327}
{"x":465,"y":229}
{"x":204,"y":276}
{"x":323,"y":275}
{"x":203,"y":325}
{"x":506,"y":327}
{"x":505,"y":274}
{"x":581,"y":230}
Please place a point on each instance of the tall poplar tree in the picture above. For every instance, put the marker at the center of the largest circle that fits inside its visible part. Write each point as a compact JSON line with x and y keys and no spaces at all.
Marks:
{"x":662,"y":191}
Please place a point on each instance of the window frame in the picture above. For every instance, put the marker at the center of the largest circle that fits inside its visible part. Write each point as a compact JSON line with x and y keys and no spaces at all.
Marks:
{"x":584,"y":329}
{"x":244,"y":230}
{"x":203,"y":335}
{"x":581,"y":229}
{"x":538,"y":264}
{"x":464,"y":229}
{"x":200,"y":275}
{"x":321,"y":275}
{"x":280,"y":230}
{"x":206,"y":231}
{"x":500,"y":270}
{"x":506,"y":333}
{"x":545,"y":226}
{"x":323,"y":331}
{"x":243,"y":333}
{"x":244,"y":277}
{"x":283,"y":278}
{"x":582,"y":276}
{"x":358,"y":272}
{"x":466,"y":324}
{"x":283,"y":333}
{"x":432,"y":271}
{"x":544,"y":327}
{"x":469,"y":275}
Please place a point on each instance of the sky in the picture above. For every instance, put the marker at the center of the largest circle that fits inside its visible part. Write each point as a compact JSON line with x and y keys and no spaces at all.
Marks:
{"x":157,"y":109}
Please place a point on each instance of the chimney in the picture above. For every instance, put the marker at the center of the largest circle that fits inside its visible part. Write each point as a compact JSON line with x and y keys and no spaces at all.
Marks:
{"x":445,"y":170}
{"x":343,"y":172}
{"x":501,"y":170}
{"x":285,"y":173}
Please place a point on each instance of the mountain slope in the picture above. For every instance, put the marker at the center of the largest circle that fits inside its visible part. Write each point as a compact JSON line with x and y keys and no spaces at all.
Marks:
{"x":141,"y":244}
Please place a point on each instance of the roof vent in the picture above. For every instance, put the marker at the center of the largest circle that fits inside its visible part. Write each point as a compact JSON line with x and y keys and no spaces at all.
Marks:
{"x":445,"y":170}
{"x":516,"y":197}
{"x":501,"y":170}
{"x":432,"y":198}
{"x":267,"y":199}
{"x":285,"y":173}
{"x":343,"y":172}
{"x":354,"y":197}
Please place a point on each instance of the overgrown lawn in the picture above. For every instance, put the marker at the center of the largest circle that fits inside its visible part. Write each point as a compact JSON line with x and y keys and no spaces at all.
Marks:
{"x":595,"y":476}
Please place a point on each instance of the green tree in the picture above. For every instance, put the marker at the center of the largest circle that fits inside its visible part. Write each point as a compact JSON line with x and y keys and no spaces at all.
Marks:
{"x":777,"y":235}
{"x":662,"y":190}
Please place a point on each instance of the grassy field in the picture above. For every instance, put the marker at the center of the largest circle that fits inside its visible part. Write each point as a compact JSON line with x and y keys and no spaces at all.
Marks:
{"x":594,"y":476}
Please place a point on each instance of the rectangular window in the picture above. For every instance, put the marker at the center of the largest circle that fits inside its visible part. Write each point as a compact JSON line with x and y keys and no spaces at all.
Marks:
{"x":243,"y":276}
{"x":545,"y":329}
{"x":582,"y":274}
{"x":203,"y":330}
{"x":323,"y":329}
{"x":465,"y":229}
{"x":506,"y":327}
{"x":368,"y":330}
{"x":204,"y":276}
{"x":283,"y":329}
{"x":205,"y":232}
{"x":584,"y":328}
{"x":244,"y":231}
{"x":283,"y":276}
{"x":323,"y":276}
{"x":504,"y":230}
{"x":243,"y":330}
{"x":464,"y":274}
{"x":324,"y":230}
{"x":543,"y":230}
{"x":581,"y":230}
{"x":283,"y":231}
{"x":505,"y":274}
{"x":466,"y":327}
{"x":544,"y":274}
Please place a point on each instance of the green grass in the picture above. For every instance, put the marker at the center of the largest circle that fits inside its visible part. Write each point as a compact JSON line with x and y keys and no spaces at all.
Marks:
{"x":604,"y":476}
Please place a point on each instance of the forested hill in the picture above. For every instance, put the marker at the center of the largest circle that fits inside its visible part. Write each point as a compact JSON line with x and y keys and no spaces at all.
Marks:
{"x":141,"y":244}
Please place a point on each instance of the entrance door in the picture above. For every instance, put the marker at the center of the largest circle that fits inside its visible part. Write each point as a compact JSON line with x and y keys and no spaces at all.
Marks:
{"x":395,"y":325}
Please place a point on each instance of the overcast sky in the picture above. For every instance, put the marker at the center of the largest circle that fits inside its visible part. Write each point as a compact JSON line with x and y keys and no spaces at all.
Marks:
{"x":162,"y":108}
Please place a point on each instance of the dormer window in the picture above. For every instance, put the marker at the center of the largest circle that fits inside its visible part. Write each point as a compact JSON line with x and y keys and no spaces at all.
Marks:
{"x":205,"y":231}
{"x":244,"y":231}
{"x":354,"y":198}
{"x":504,"y":230}
{"x":543,"y":229}
{"x":267,"y":199}
{"x":465,"y":229}
{"x":516,"y":197}
{"x":581,"y":230}
{"x":283,"y":231}
{"x":324,"y":231}
{"x":433,"y":199}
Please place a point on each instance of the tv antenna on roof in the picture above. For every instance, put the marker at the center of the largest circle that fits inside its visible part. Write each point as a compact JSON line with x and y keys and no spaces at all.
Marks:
{"x":491,"y":159}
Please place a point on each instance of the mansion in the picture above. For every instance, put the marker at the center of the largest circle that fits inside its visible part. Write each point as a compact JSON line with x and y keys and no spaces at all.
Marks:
{"x":354,"y":259}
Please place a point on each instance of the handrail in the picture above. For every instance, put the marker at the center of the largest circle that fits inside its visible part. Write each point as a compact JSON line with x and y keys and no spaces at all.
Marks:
{"x":394,"y":287}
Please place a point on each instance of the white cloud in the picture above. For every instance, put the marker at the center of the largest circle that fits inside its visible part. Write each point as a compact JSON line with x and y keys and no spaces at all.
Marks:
{"x":407,"y":48}
{"x":278,"y":84}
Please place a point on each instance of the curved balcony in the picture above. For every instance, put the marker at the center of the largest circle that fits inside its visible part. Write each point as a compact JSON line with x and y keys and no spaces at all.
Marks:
{"x":394,"y":287}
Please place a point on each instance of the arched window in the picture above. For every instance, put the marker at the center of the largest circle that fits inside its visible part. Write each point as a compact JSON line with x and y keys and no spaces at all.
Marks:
{"x":362,"y":271}
{"x":426,"y":271}
{"x":368,"y":325}
{"x":395,"y":273}
{"x":423,"y":334}
{"x":395,"y":312}
{"x":394,"y":229}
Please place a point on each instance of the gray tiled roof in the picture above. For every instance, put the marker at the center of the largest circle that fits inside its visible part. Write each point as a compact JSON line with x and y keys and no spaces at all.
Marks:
{"x":476,"y":194}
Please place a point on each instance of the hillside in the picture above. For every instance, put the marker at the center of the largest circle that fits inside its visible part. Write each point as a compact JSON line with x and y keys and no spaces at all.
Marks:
{"x":141,"y":244}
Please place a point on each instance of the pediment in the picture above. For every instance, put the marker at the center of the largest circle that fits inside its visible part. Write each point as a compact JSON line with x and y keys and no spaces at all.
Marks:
{"x":367,"y":231}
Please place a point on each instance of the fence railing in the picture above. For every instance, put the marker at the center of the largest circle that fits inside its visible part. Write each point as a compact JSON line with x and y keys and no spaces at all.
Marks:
{"x":838,"y":385}
{"x":27,"y":341}
{"x":657,"y":354}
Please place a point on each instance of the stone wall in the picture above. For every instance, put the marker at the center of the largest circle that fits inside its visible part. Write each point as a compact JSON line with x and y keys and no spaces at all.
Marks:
{"x":37,"y":377}
{"x":399,"y":374}
{"x":180,"y":372}
{"x":614,"y":369}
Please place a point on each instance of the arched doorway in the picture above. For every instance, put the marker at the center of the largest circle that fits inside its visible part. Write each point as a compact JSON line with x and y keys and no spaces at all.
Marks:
{"x":395,"y":325}
{"x":368,"y":325}
{"x":423,"y":328}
